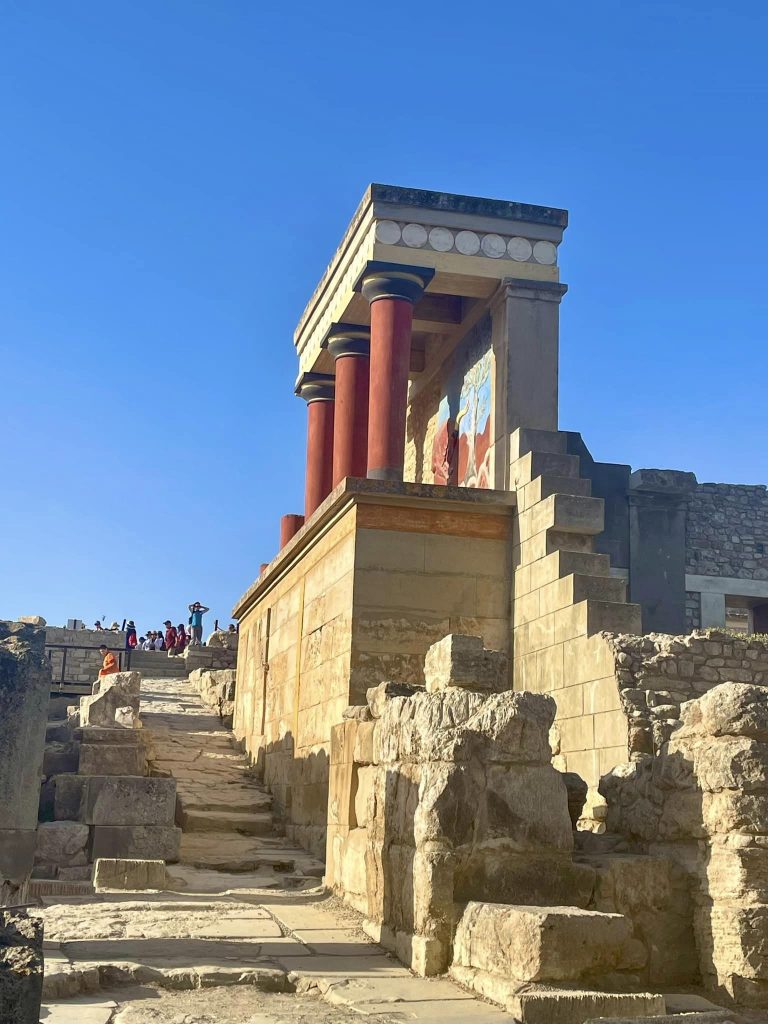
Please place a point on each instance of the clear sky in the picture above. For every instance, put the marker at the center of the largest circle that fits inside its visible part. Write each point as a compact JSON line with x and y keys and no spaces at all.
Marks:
{"x":176,"y":174}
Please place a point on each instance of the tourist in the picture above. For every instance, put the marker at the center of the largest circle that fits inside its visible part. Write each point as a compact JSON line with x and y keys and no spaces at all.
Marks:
{"x":159,"y":644}
{"x":170,"y":636}
{"x":196,"y":612}
{"x":98,"y":625}
{"x":181,"y":638}
{"x":130,"y":635}
{"x":109,"y":665}
{"x":148,"y":644}
{"x":114,"y":628}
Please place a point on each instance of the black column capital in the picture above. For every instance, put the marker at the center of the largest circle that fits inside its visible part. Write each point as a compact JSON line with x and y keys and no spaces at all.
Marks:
{"x":316,"y":387}
{"x":393,"y":281}
{"x":348,"y":340}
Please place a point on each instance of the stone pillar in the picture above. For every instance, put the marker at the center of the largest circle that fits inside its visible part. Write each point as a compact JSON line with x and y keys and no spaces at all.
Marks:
{"x":658,"y":505}
{"x":525,"y":336}
{"x":392,"y":289}
{"x":350,"y":347}
{"x":317,"y":391}
{"x":289,"y":527}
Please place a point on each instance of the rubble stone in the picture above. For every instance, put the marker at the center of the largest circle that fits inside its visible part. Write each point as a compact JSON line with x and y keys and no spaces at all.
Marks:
{"x":463,"y":661}
{"x":62,"y":843}
{"x":21,"y":967}
{"x":110,"y":694}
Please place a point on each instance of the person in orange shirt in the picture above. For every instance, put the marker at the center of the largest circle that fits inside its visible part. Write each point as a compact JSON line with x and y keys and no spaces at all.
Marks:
{"x":109,"y":666}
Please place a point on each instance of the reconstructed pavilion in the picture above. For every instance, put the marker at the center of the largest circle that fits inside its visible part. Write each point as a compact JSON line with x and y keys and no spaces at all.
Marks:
{"x":442,"y":497}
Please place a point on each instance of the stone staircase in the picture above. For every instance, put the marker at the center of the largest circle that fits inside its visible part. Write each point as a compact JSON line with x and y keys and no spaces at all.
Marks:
{"x":158,"y":665}
{"x":229,"y":835}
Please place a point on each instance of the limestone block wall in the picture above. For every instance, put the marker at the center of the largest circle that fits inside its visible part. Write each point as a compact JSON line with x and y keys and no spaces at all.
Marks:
{"x":293,"y":677}
{"x":358,"y":596}
{"x":82,"y":666}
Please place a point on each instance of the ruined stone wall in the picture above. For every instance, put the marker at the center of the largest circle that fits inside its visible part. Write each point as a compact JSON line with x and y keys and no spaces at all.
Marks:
{"x":725,"y":526}
{"x":82,"y":666}
{"x":24,"y":693}
{"x":656,"y":674}
{"x":443,"y":796}
{"x":703,"y":800}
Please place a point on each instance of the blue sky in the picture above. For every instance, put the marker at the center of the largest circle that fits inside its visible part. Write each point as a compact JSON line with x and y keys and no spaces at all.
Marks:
{"x":175,"y":176}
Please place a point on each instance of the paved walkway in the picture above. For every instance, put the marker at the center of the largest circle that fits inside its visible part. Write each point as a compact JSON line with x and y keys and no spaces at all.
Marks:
{"x":245,"y":936}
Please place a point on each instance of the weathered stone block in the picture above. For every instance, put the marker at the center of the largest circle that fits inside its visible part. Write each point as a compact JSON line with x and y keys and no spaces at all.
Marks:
{"x":111,"y":694}
{"x":129,"y":801}
{"x":112,"y":873}
{"x":62,"y":842}
{"x":142,"y":842}
{"x":463,"y":661}
{"x":111,"y":759}
{"x":542,"y":943}
{"x":377,"y":696}
{"x":21,"y":967}
{"x":68,"y":794}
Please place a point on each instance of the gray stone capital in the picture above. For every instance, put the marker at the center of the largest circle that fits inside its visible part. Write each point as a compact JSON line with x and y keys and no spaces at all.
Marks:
{"x":382,"y":280}
{"x":316,"y":387}
{"x":523,"y":288}
{"x":348,"y":340}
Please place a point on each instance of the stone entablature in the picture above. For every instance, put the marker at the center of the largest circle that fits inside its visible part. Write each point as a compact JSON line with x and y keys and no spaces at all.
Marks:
{"x":471,"y":243}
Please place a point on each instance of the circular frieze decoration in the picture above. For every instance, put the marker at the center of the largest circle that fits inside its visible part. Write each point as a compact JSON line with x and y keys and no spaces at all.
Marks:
{"x":467,"y":243}
{"x":441,"y":239}
{"x":494,"y":246}
{"x":387,"y":231}
{"x":545,"y":252}
{"x":415,"y":235}
{"x":519,"y":249}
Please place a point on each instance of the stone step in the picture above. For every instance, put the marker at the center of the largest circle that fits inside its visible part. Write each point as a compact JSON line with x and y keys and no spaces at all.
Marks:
{"x":705,"y":1017}
{"x":542,"y":487}
{"x":223,"y":851}
{"x":245,"y":823}
{"x":611,"y":617}
{"x":529,"y":439}
{"x":577,"y":587}
{"x":543,"y":944}
{"x":534,"y":464}
{"x":58,"y":887}
{"x":567,"y":513}
{"x":576,"y":1006}
{"x":245,"y":801}
{"x":560,"y":564}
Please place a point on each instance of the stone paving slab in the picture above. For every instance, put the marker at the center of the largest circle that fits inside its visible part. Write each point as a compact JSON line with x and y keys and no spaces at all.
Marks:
{"x":81,"y":1010}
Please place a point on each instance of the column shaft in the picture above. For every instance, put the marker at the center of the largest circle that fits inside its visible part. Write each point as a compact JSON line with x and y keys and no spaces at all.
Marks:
{"x":319,"y":478}
{"x":390,"y":359}
{"x":289,"y":526}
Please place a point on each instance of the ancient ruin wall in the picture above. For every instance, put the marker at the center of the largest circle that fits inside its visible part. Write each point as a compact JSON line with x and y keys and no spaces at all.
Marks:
{"x":24,"y":694}
{"x":703,"y":800}
{"x":725,"y":526}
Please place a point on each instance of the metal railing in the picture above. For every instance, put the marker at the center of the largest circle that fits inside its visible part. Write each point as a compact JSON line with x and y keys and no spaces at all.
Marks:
{"x":123,"y":661}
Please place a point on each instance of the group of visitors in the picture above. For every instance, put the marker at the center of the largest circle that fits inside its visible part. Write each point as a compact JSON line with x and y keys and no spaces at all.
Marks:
{"x":173,"y":639}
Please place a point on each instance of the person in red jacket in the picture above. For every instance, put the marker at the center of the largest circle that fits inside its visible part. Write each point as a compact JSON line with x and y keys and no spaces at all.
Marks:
{"x":170,"y":635}
{"x":181,"y":639}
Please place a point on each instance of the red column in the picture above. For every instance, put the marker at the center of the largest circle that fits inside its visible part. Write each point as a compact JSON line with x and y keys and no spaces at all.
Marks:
{"x":391,"y":290}
{"x":289,"y":527}
{"x":350,"y":349}
{"x":317,"y":390}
